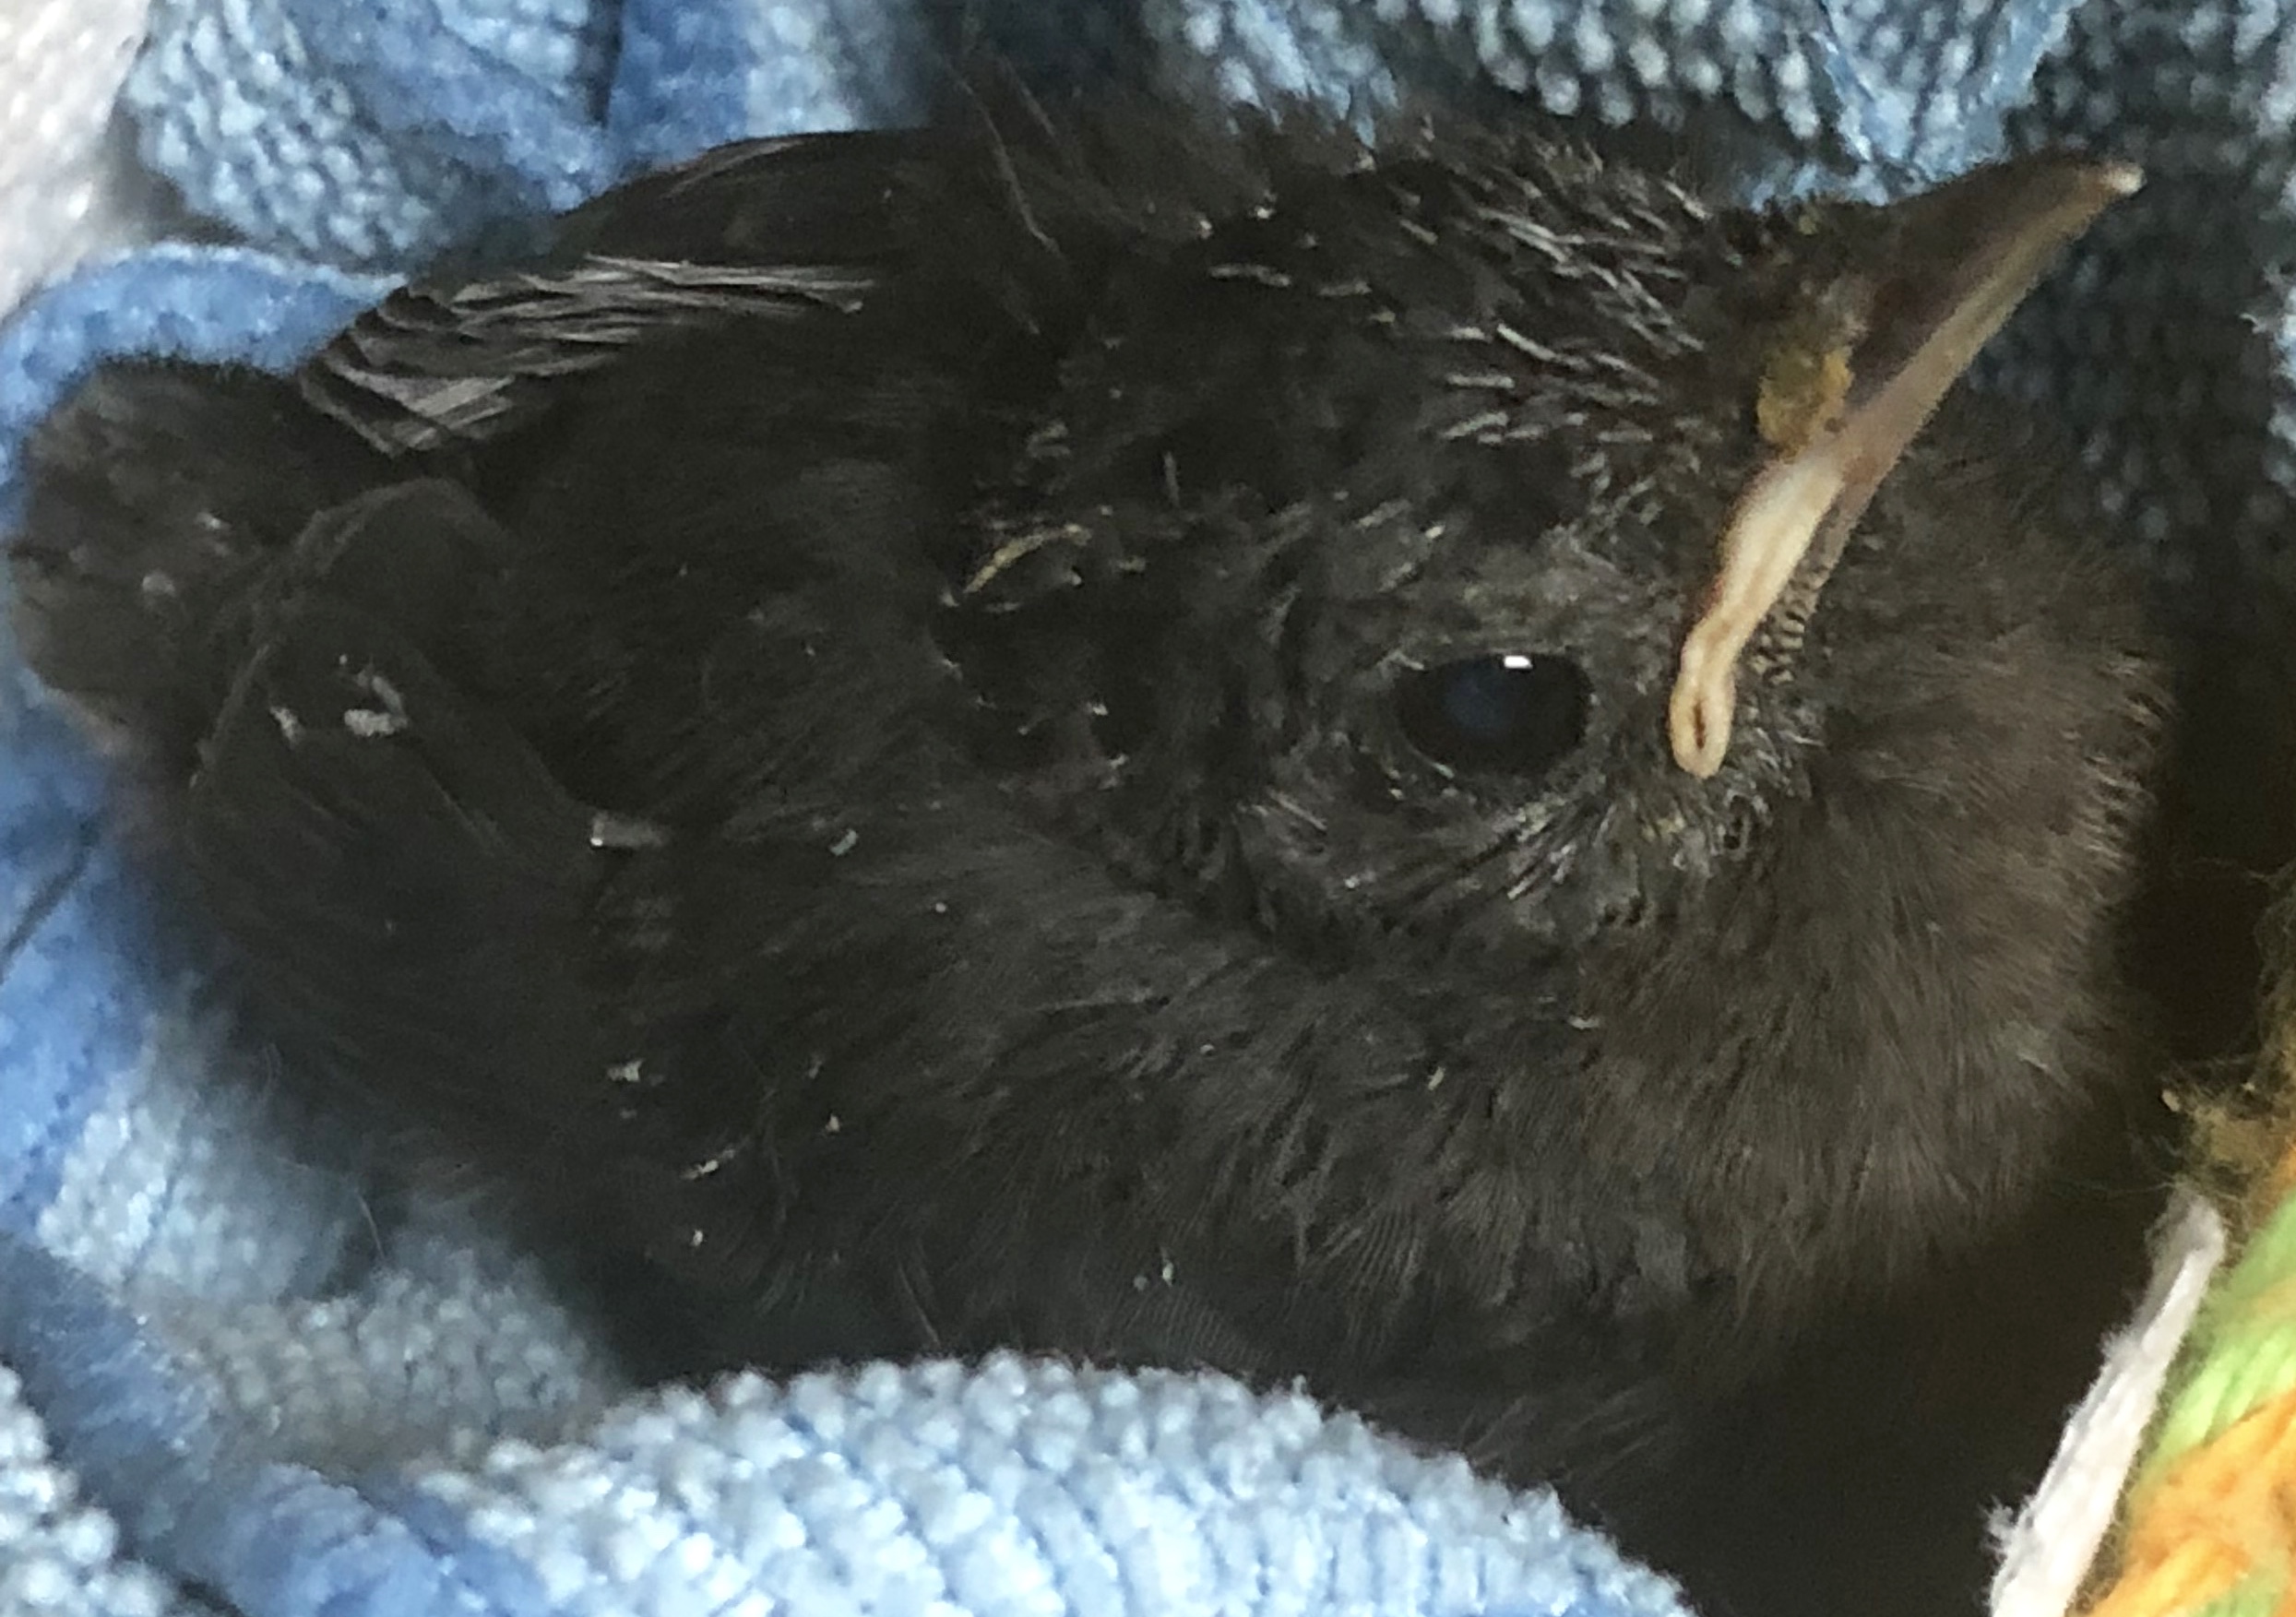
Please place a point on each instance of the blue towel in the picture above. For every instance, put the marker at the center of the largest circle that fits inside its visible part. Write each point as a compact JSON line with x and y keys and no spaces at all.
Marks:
{"x":230,"y":1373}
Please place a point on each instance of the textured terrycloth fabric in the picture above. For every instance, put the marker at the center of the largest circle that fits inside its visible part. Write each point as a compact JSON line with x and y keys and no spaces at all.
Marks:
{"x":236,"y":1374}
{"x":61,"y":66}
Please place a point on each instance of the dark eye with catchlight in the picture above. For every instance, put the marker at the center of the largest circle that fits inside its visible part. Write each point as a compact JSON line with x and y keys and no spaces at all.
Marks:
{"x":1511,"y":713}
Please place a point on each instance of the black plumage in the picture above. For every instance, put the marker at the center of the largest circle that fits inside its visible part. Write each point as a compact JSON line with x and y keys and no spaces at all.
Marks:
{"x":1055,"y":731}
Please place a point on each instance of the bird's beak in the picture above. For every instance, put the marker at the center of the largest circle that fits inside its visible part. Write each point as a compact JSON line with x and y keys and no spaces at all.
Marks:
{"x":1841,"y":415}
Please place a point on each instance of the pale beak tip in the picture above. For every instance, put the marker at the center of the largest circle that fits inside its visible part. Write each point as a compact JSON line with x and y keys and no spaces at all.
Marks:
{"x":2119,"y":180}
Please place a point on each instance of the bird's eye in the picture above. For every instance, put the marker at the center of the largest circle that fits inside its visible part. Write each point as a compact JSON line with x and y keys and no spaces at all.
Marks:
{"x":1510,"y":713}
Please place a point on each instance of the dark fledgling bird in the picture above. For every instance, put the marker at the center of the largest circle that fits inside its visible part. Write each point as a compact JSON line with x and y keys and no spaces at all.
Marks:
{"x":1455,"y":773}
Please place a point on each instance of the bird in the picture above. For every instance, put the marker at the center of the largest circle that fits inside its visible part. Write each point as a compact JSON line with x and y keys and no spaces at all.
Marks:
{"x":1432,"y":765}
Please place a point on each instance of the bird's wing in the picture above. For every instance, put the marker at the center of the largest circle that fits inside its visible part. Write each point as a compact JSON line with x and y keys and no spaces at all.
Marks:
{"x":772,"y":230}
{"x":1024,"y":210}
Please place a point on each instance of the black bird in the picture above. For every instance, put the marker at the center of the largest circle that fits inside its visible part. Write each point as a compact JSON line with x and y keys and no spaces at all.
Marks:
{"x":1415,"y":767}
